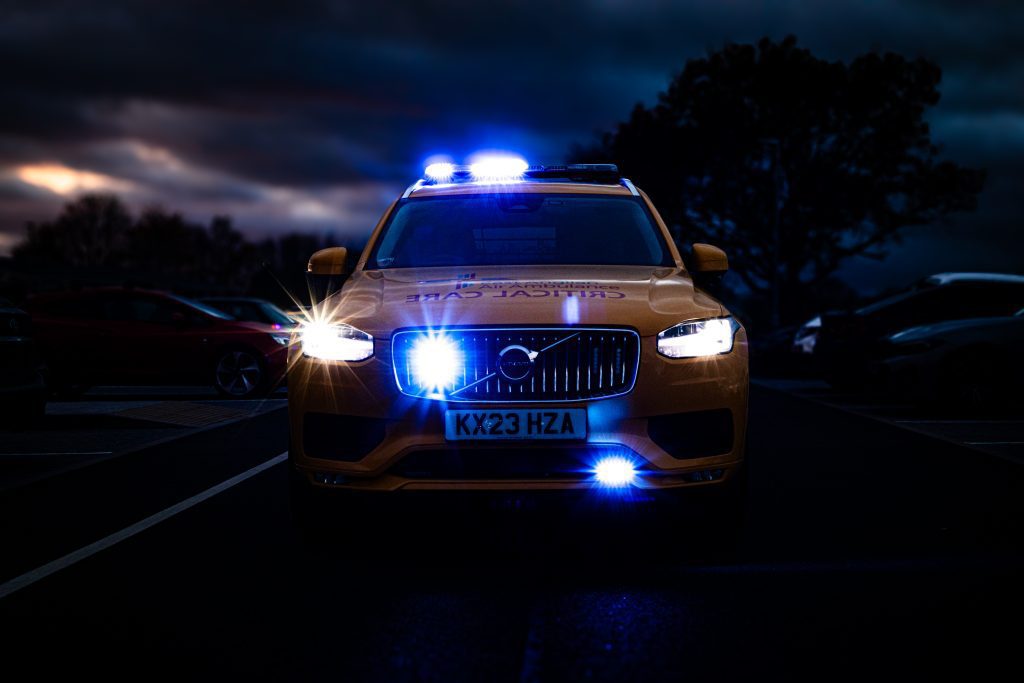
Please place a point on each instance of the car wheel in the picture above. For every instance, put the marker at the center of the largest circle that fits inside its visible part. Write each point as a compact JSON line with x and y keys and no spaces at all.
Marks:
{"x":728,"y":509}
{"x":314,"y":513}
{"x":301,"y":502}
{"x":239,"y":373}
{"x":714,"y":517}
{"x":971,"y":381}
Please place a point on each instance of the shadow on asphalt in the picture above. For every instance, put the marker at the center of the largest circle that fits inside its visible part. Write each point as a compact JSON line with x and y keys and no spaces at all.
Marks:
{"x":81,"y":422}
{"x":457,"y":542}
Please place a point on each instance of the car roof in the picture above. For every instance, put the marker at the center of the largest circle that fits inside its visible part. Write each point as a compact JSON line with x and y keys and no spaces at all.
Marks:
{"x":91,"y":291}
{"x":950,"y":278}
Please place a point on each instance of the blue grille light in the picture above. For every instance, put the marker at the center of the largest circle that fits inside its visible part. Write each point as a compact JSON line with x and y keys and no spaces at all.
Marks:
{"x":436,"y":364}
{"x":614,"y":471}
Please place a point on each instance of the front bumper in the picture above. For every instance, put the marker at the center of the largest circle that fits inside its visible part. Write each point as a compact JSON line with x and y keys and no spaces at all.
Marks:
{"x":351,"y":428}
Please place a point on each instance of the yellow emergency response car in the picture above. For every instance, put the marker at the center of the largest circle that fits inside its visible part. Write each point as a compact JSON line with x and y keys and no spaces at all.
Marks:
{"x":512,"y":327}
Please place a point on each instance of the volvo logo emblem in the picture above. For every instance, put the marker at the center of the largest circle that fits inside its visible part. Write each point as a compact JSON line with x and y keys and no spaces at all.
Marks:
{"x":13,"y":324}
{"x":515,"y":363}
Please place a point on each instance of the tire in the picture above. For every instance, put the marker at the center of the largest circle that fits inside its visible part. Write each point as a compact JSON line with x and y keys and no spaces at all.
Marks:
{"x":317,"y":515}
{"x":240,"y":373}
{"x":302,"y":503}
{"x":727,"y":511}
{"x":973,"y":382}
{"x":713,"y":517}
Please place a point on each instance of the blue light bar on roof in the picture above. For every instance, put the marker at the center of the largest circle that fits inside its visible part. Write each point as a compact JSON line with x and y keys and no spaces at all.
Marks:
{"x":440,"y":172}
{"x":498,"y":169}
{"x":509,"y":169}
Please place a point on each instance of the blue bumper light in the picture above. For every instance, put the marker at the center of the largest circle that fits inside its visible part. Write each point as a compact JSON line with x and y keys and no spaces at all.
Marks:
{"x":614,"y":471}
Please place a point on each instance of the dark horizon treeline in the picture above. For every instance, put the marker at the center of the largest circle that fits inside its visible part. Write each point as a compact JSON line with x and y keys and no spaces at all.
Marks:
{"x":96,"y":241}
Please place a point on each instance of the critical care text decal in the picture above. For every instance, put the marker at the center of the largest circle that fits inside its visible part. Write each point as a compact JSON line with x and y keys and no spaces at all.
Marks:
{"x":524,"y":290}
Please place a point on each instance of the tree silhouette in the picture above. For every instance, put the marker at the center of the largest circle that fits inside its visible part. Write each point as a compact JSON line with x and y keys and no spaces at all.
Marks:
{"x":89,"y":232}
{"x":789,"y":162}
{"x":95,"y":240}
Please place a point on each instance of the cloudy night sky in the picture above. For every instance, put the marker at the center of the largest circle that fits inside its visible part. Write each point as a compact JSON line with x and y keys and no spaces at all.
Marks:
{"x":311,"y":116}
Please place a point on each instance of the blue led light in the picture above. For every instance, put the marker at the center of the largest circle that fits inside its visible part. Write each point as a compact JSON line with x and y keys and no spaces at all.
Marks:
{"x":498,"y":169}
{"x":614,"y":471}
{"x":436,"y":364}
{"x":440,"y":172}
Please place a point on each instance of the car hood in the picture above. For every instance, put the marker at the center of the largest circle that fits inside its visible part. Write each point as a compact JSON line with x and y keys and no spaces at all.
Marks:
{"x":647,"y":298}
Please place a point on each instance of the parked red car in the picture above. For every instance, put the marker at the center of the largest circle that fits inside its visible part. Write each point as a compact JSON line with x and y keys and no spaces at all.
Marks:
{"x":133,"y":336}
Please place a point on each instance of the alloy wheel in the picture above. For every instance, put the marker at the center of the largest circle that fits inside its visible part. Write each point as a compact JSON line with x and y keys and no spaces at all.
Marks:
{"x":238,"y":373}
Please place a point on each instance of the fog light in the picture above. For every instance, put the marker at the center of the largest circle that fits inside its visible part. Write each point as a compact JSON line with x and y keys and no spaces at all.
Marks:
{"x":614,"y":471}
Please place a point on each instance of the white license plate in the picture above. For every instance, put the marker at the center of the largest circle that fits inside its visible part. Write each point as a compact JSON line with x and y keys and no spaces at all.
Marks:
{"x":474,"y":425}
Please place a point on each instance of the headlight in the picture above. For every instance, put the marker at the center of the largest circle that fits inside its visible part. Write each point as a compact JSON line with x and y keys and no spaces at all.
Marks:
{"x":698,"y":338}
{"x":281,"y":339}
{"x":335,"y":341}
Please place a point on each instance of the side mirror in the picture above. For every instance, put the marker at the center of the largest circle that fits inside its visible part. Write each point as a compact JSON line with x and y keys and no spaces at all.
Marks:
{"x":708,"y":260}
{"x":326,"y":272}
{"x":330,"y":261}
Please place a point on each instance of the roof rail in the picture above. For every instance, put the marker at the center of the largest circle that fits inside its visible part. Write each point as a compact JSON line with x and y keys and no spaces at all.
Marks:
{"x":628,"y":184}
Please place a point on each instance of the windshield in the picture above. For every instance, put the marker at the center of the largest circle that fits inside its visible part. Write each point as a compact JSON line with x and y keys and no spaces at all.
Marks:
{"x":520,"y":229}
{"x":275,"y":316}
{"x":208,"y":310}
{"x":252,"y":311}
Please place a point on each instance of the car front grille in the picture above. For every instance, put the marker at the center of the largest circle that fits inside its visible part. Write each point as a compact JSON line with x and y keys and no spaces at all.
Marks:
{"x":538,"y":364}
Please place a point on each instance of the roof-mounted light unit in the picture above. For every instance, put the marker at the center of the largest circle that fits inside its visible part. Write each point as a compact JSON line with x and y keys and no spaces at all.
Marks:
{"x":508,"y":169}
{"x":498,"y":169}
{"x":440,"y":172}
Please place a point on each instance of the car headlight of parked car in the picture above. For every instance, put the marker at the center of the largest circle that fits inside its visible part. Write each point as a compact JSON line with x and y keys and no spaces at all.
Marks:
{"x":335,"y":341}
{"x":281,"y":339}
{"x":697,"y":338}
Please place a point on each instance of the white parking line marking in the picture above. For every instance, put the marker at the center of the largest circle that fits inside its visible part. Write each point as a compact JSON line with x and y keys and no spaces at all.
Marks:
{"x":960,"y":422}
{"x":30,"y":577}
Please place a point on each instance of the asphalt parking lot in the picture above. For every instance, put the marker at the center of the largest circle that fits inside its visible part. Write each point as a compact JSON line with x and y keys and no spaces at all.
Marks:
{"x":997,"y":431}
{"x":108,"y":422}
{"x":870,"y":550}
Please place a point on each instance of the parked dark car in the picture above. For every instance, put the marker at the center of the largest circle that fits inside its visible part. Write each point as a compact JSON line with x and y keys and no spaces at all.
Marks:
{"x":136,"y":337}
{"x":22,"y":374}
{"x":852,"y":347}
{"x":975,"y":363}
{"x":251,"y":310}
